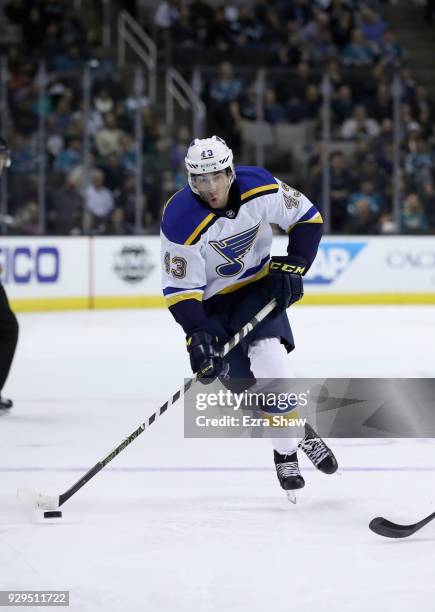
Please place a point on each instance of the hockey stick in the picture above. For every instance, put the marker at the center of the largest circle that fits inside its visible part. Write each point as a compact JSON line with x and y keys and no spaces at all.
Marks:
{"x":388,"y":529}
{"x":51,"y":502}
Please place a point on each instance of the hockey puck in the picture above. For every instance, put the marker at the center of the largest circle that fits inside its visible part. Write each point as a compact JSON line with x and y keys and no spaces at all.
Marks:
{"x":53,"y":514}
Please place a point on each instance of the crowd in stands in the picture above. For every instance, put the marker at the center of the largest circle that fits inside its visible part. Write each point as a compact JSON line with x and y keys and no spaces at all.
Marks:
{"x":96,"y":195}
{"x":296,"y":43}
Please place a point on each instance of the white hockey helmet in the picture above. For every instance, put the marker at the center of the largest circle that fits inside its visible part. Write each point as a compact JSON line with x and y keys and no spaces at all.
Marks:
{"x":208,"y":155}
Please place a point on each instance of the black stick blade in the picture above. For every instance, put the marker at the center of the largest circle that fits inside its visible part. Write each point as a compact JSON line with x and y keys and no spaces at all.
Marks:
{"x":386,"y":528}
{"x":392,"y":530}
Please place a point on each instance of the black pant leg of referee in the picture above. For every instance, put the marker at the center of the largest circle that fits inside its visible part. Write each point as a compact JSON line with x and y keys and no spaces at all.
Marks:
{"x":8,"y":337}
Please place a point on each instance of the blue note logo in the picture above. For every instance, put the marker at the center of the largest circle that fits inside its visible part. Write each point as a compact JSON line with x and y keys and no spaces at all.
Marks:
{"x":332,"y":259}
{"x":233,"y":249}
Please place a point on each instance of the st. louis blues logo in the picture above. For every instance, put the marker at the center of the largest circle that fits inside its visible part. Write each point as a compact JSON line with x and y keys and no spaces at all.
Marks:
{"x":233,"y":249}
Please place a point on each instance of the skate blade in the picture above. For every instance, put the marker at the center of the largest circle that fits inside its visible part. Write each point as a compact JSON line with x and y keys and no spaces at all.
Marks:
{"x":291,"y":496}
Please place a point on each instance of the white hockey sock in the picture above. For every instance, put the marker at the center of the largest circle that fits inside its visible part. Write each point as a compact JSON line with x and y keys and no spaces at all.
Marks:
{"x":285,"y":446}
{"x":269,"y":359}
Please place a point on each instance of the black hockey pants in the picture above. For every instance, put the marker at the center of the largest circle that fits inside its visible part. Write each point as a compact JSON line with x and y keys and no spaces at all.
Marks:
{"x":8,"y":336}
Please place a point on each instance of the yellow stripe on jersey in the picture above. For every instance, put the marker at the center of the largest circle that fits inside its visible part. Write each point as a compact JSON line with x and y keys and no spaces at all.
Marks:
{"x":171,"y":198}
{"x":316,"y":219}
{"x":251,"y":192}
{"x":263,"y":272}
{"x":200,"y":227}
{"x":179,"y":297}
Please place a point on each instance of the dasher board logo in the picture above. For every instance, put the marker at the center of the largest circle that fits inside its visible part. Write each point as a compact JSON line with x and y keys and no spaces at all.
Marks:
{"x":332,"y":260}
{"x":133,"y":264}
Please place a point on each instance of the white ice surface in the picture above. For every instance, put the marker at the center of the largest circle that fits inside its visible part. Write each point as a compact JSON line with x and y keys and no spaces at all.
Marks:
{"x":156,"y":530}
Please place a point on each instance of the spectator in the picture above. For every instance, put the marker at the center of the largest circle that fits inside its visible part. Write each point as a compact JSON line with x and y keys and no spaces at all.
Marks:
{"x":386,"y":134}
{"x":312,"y":102}
{"x":52,"y":42}
{"x":226,"y":87}
{"x":340,"y":184}
{"x":80,"y":174}
{"x":167,"y":14}
{"x":246,"y":106}
{"x":366,"y":192}
{"x":55,"y":141}
{"x":201,"y":13}
{"x":104,"y":65}
{"x":67,"y":209}
{"x":108,"y":139}
{"x":114,"y":173}
{"x":341,"y":28}
{"x":428,"y":200}
{"x":359,"y":155}
{"x":359,"y":52}
{"x":420,"y":163}
{"x":26,"y":220}
{"x":296,"y":85}
{"x":426,"y":123}
{"x":182,"y":30}
{"x":359,"y":125}
{"x":273,"y":111}
{"x":103,"y":101}
{"x":420,"y":101}
{"x":382,"y":107}
{"x":63,"y":112}
{"x":390,"y":50}
{"x":371,"y":25}
{"x":118,"y":225}
{"x":414,"y":220}
{"x":98,"y":204}
{"x":25,"y":120}
{"x":69,"y":62}
{"x":23,"y":155}
{"x":123,"y":117}
{"x":247,"y":32}
{"x":368,"y":170}
{"x":362,"y":218}
{"x":127,"y":199}
{"x":224,"y":93}
{"x":69,"y":158}
{"x":342,"y":103}
{"x":177,"y":151}
{"x":323,"y":49}
{"x":128,"y":154}
{"x":291,"y":52}
{"x":384,"y":158}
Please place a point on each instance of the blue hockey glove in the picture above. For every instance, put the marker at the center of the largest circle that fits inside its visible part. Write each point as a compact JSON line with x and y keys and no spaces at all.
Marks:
{"x":284,"y":281}
{"x":205,"y":357}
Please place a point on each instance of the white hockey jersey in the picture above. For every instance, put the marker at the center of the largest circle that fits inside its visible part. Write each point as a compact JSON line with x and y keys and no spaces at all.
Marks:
{"x":205,"y":253}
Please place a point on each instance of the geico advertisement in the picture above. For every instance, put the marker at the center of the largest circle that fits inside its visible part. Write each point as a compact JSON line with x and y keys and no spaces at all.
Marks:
{"x":38,"y":267}
{"x":127,"y":266}
{"x":370,"y":264}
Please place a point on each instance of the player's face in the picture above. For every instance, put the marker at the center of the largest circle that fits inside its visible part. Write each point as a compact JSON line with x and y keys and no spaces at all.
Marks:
{"x":213,"y":188}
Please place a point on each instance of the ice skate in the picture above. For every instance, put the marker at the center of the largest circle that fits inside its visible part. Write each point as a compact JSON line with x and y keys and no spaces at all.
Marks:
{"x":5,"y":404}
{"x":289,"y":476}
{"x":320,"y":455}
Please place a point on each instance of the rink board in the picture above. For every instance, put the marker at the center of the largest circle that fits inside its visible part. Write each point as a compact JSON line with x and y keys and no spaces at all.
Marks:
{"x":115,"y":272}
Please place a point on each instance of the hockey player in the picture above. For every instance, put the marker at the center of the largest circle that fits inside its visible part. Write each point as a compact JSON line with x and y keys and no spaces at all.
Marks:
{"x":8,"y":321}
{"x":217,"y":272}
